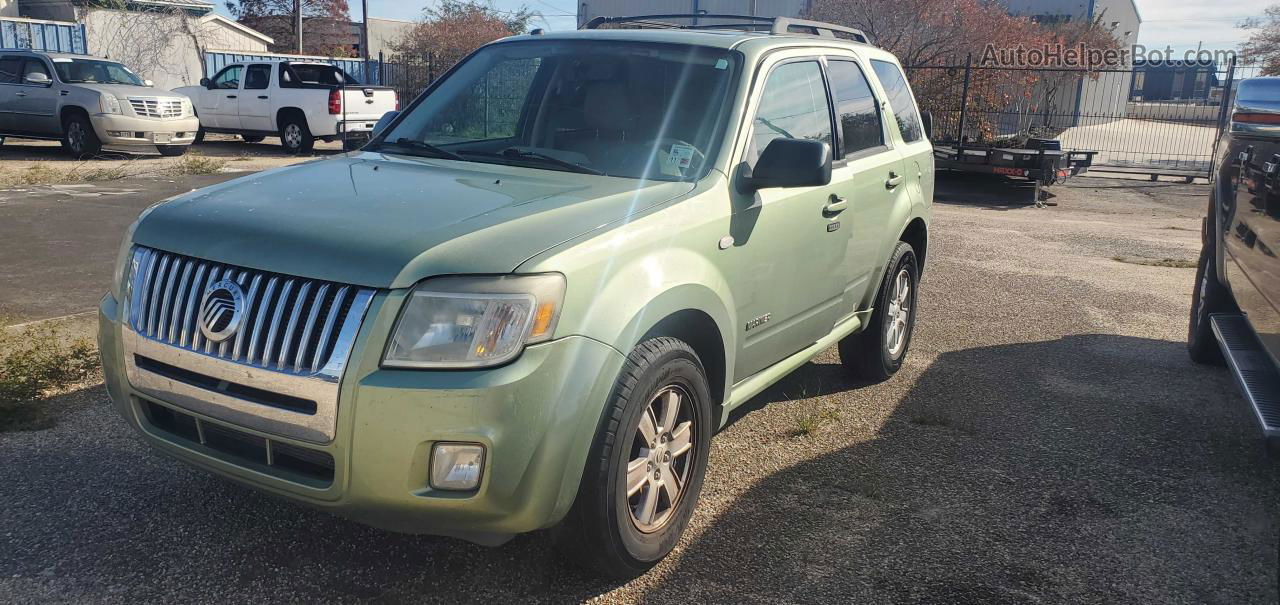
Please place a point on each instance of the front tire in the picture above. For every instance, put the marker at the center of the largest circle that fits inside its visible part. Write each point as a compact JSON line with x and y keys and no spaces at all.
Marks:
{"x":79,"y":138}
{"x":171,"y":151}
{"x":295,"y":136}
{"x":876,"y":353}
{"x":1208,"y":297}
{"x":646,"y":465}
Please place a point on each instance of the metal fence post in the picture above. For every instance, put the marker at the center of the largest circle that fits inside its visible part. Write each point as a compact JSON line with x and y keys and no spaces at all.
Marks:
{"x":1224,"y":114}
{"x":964,"y":99}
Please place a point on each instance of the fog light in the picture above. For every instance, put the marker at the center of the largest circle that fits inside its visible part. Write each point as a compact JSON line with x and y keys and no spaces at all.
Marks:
{"x":456,"y":466}
{"x":117,"y":133}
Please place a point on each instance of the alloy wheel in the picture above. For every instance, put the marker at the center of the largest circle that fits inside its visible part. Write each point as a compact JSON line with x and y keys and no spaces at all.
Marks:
{"x":661,"y":460}
{"x":899,"y":314}
{"x":293,"y":136}
{"x":75,"y":137}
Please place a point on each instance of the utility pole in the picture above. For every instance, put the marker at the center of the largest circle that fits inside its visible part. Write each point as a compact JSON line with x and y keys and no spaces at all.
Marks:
{"x":297,"y":23}
{"x":364,"y":31}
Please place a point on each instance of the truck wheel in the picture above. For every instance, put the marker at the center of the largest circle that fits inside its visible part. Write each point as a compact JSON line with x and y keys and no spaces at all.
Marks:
{"x":249,"y":138}
{"x":876,"y":353}
{"x":646,"y":465}
{"x":1208,"y":297}
{"x":295,"y":136}
{"x":199,"y":136}
{"x":171,"y":151}
{"x":79,"y":139}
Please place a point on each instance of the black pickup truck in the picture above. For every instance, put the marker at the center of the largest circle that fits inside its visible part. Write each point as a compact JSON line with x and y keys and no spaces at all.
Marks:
{"x":1235,"y":310}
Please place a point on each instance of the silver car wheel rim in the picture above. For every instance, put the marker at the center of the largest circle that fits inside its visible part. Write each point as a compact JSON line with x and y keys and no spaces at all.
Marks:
{"x":899,"y":313}
{"x":75,"y":136}
{"x":661,"y":459}
{"x":293,"y":135}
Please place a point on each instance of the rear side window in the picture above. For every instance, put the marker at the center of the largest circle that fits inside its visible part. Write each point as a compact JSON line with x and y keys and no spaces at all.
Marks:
{"x":793,"y":105}
{"x":10,"y":70}
{"x":856,"y":110}
{"x":900,"y":101}
{"x":258,"y":77}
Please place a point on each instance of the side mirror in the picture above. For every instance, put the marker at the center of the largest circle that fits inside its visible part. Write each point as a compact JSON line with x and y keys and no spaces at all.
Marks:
{"x":1256,"y":112}
{"x":38,"y":79}
{"x":148,"y":83}
{"x":926,"y":122}
{"x":206,"y":83}
{"x":791,"y":163}
{"x":384,"y":122}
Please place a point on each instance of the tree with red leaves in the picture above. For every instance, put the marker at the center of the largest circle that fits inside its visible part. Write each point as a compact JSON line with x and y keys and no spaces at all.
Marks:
{"x":452,"y":29}
{"x":326,"y":24}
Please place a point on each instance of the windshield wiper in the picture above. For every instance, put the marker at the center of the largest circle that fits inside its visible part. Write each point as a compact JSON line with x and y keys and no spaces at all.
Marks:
{"x":434,"y":151}
{"x":520,"y":154}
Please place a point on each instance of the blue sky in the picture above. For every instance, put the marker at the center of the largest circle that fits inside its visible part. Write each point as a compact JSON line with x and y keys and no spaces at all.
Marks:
{"x":1179,"y":23}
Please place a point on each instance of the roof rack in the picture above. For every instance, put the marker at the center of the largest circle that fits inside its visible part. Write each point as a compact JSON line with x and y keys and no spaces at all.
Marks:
{"x":774,"y":25}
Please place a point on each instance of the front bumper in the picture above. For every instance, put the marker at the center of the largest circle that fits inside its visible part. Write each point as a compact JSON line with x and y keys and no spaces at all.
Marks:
{"x":128,"y":131}
{"x":536,"y":418}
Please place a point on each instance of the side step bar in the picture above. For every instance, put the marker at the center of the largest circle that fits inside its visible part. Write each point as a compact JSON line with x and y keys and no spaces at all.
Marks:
{"x":1256,"y":374}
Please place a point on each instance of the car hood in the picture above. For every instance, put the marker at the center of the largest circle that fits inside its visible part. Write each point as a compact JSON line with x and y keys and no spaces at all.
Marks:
{"x":124,"y":91}
{"x":388,"y":222}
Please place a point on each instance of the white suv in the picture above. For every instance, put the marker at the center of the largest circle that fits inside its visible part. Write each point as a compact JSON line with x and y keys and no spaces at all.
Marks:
{"x":90,"y":103}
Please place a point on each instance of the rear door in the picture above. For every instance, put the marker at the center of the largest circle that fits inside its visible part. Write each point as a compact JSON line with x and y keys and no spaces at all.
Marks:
{"x":255,"y":98}
{"x":867,"y":162}
{"x":10,"y":72}
{"x":787,"y":266}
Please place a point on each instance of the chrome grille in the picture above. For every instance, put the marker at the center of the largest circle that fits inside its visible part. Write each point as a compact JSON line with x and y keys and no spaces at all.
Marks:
{"x":157,"y":108}
{"x":290,"y":324}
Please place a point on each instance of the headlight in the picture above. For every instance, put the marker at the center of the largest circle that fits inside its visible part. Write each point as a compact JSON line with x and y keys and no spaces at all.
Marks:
{"x":110,"y":104}
{"x":474,"y":322}
{"x":187,"y":110}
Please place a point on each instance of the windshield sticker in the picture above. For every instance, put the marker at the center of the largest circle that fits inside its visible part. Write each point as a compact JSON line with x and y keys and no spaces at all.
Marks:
{"x":722,"y":64}
{"x":681,"y":156}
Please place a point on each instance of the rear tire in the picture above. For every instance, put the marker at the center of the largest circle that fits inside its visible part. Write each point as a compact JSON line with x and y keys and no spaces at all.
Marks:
{"x":171,"y":151}
{"x":646,"y":464}
{"x":295,"y":136}
{"x":79,"y":138}
{"x":877,"y":352}
{"x":1208,"y":297}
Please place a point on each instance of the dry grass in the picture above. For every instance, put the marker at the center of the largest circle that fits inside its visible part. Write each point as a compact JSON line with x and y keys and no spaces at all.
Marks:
{"x":1156,"y":262}
{"x":194,"y":163}
{"x":47,"y":173}
{"x":809,"y":423}
{"x":36,"y":363}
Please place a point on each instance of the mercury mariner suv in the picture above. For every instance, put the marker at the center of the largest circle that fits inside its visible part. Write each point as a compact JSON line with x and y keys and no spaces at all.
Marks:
{"x":531,"y":300}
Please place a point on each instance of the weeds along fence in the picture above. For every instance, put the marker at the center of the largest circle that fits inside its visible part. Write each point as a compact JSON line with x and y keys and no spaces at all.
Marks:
{"x":1149,"y":119}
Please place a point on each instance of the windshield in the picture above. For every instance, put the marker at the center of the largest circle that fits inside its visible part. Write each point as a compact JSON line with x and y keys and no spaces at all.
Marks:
{"x":636,"y":110}
{"x":90,"y":71}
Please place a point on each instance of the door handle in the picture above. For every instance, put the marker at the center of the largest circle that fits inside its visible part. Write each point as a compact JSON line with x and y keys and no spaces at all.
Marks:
{"x":262,"y":96}
{"x":231,"y":96}
{"x":894,"y":181}
{"x":22,"y":94}
{"x":835,"y":205}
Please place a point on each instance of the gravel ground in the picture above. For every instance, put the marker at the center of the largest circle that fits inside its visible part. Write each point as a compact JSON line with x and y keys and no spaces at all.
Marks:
{"x":1047,"y":441}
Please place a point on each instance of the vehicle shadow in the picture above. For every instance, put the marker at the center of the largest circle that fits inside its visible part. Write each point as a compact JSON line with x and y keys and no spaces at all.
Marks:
{"x":225,"y":146}
{"x":1060,"y":471}
{"x":1056,"y":471}
{"x":989,"y":191}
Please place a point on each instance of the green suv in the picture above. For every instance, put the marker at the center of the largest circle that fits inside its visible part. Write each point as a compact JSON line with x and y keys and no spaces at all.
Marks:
{"x":534,"y":297}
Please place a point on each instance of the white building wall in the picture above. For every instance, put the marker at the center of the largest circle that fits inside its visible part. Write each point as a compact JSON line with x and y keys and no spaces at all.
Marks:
{"x":383,"y":33}
{"x":9,"y":8}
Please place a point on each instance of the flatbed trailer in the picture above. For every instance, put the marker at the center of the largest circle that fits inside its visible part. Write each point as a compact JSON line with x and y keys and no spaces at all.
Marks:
{"x":1042,"y":164}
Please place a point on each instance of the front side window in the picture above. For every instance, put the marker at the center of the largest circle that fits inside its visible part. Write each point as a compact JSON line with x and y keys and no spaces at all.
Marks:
{"x":793,"y":105}
{"x":34,"y":66}
{"x":258,"y":77}
{"x":857,"y":112}
{"x":900,"y":100}
{"x":636,"y":110}
{"x":229,"y":78}
{"x":93,"y":71}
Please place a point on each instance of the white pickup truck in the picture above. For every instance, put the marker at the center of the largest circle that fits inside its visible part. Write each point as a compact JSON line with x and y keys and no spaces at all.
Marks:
{"x":298,"y":102}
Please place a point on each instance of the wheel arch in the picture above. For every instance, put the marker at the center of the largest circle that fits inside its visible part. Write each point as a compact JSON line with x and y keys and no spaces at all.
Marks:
{"x":286,"y":112}
{"x":67,"y":111}
{"x":916,"y":233}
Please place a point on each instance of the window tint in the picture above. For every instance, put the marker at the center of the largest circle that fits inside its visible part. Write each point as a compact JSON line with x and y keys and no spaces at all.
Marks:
{"x":900,"y":101}
{"x":258,"y":77}
{"x":9,"y":68}
{"x":793,"y":105}
{"x":856,"y":109}
{"x":229,"y":78}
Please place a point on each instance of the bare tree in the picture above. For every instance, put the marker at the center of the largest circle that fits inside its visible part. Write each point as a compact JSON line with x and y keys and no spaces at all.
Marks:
{"x":146,"y":41}
{"x":1263,"y":46}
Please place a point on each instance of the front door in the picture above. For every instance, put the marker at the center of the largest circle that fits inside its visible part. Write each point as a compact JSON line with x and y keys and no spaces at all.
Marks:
{"x":37,"y":104}
{"x":789,"y":279}
{"x":220,"y":104}
{"x":255,"y":102}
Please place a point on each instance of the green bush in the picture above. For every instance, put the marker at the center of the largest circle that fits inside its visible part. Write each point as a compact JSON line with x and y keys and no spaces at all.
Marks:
{"x":36,"y":363}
